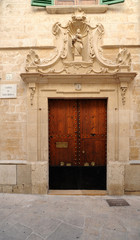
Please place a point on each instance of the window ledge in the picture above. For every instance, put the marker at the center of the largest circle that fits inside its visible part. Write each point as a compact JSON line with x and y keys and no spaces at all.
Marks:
{"x":71,"y":9}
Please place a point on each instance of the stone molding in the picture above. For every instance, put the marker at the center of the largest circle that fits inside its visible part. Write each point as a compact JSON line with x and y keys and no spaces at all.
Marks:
{"x":120,"y":46}
{"x":118,"y":78}
{"x":71,"y":9}
{"x":13,"y":162}
{"x":42,"y":47}
{"x":90,"y":78}
{"x":20,"y":162}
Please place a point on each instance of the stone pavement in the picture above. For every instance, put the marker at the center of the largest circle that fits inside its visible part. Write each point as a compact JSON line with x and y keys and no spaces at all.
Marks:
{"x":38,"y":217}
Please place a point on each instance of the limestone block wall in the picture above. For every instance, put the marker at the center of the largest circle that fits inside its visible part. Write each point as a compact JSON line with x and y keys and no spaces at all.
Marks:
{"x":22,"y":28}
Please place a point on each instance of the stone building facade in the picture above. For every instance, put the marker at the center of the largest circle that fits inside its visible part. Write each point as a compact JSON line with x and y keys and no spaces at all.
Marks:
{"x":38,"y":61}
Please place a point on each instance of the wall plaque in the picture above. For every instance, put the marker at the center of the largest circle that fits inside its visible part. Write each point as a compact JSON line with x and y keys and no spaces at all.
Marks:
{"x":61,"y":144}
{"x":8,"y":90}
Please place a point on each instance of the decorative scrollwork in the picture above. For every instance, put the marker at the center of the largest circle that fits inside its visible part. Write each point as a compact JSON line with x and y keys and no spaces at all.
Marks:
{"x":56,"y":28}
{"x":124,"y":57}
{"x":78,"y":42}
{"x":92,"y":52}
{"x":64,"y":51}
{"x":32,"y":59}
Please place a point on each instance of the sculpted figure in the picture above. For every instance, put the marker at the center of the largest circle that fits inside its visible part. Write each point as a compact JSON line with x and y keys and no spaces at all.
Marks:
{"x":77,"y":43}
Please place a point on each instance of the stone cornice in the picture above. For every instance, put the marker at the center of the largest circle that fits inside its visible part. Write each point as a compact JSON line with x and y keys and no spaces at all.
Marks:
{"x":108,"y":78}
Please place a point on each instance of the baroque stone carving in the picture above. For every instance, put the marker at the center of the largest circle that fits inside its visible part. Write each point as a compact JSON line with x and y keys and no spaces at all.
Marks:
{"x":123,"y":92}
{"x":32,"y":89}
{"x":77,"y":51}
{"x":124,"y":58}
{"x":33,"y":62}
{"x":123,"y":88}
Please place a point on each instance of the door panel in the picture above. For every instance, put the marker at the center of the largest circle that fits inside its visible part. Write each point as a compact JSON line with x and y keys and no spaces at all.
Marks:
{"x":62,"y":129}
{"x":92,"y":128}
{"x":61,"y":156}
{"x":93,"y":152}
{"x":61,"y":116}
{"x":77,"y":143}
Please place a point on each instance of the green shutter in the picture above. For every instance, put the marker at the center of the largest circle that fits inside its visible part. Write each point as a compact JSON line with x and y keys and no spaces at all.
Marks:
{"x":42,"y":3}
{"x":110,"y":2}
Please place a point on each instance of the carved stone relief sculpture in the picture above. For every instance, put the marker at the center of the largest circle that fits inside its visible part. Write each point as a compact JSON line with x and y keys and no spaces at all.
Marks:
{"x":77,"y":51}
{"x":77,"y":45}
{"x":123,"y":88}
{"x":32,"y":88}
{"x":123,"y":92}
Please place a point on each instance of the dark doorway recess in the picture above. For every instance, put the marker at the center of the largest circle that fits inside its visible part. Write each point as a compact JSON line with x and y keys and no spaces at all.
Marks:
{"x":77,"y":143}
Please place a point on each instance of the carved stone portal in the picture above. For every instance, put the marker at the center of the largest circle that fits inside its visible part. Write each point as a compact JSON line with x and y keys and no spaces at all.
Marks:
{"x":77,"y":51}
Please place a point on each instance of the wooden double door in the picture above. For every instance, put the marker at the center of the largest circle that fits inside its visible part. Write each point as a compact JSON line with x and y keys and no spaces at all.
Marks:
{"x":77,"y":143}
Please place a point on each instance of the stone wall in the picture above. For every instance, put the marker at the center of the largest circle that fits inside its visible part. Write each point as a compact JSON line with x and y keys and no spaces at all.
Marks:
{"x":22,"y":28}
